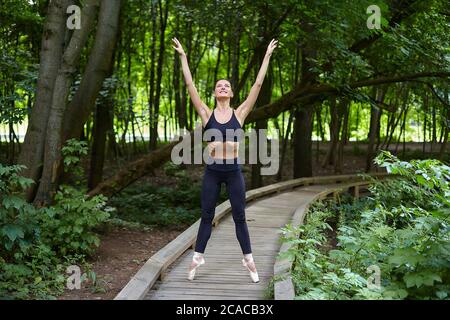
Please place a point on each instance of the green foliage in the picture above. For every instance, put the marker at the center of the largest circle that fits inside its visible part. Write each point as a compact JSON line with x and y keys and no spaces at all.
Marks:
{"x":403,"y":229}
{"x":19,"y":219}
{"x":72,"y":151}
{"x":173,"y":170}
{"x":68,"y":224}
{"x":149,"y":204}
{"x":37,"y":244}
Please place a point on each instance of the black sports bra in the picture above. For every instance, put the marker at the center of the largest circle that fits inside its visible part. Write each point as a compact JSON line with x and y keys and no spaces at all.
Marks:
{"x":233,"y":124}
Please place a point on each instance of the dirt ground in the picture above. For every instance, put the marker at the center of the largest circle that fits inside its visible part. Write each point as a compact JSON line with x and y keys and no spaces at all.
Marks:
{"x":120,"y":255}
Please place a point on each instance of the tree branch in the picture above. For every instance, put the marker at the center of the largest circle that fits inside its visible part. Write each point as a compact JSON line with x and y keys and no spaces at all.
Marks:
{"x":306,"y":93}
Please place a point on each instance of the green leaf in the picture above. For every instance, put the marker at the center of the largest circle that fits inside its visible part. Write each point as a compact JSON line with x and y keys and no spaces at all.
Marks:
{"x":405,"y":256}
{"x":24,"y":182}
{"x":13,"y":202}
{"x":13,"y":231}
{"x":422,"y":278}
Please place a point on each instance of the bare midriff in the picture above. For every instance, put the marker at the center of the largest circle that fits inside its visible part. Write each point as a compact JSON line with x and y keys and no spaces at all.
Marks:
{"x":223,"y":149}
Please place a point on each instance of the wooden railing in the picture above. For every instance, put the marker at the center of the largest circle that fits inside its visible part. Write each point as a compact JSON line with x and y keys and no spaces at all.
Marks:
{"x":155,"y":267}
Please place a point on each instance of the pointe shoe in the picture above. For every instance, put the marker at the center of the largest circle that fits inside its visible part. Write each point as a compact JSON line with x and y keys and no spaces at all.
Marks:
{"x":199,"y":261}
{"x":253,"y":275}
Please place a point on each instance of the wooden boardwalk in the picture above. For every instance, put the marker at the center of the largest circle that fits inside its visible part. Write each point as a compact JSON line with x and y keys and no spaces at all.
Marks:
{"x":223,"y":277}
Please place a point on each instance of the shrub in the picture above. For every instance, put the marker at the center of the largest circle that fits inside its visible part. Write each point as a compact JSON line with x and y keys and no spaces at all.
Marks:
{"x":37,"y":244}
{"x":68,"y":225}
{"x":402,"y":229}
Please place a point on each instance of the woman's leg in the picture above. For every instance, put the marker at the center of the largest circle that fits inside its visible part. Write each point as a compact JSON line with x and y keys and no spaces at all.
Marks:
{"x":236,"y":192}
{"x":211,"y":185}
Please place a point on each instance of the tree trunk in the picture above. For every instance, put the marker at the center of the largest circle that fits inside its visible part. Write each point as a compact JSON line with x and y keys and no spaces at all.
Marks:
{"x":235,"y":62}
{"x":302,"y":142}
{"x":102,"y":122}
{"x":97,"y":67}
{"x":446,"y":132}
{"x":304,"y":115}
{"x":154,"y":122}
{"x":53,"y":142}
{"x":184,"y":97}
{"x":176,"y":90}
{"x":52,"y":46}
{"x":151,"y":93}
{"x":402,"y":127}
{"x":345,"y":110}
{"x":374,"y":128}
{"x":335,"y":123}
{"x":284,"y":146}
{"x":98,"y":144}
{"x":216,"y":67}
{"x":425,"y":120}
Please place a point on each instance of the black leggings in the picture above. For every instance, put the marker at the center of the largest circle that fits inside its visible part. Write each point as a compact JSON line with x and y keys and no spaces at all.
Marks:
{"x":211,"y":187}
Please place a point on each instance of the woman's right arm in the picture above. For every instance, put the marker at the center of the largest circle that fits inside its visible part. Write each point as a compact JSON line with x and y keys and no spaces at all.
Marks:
{"x":200,"y":106}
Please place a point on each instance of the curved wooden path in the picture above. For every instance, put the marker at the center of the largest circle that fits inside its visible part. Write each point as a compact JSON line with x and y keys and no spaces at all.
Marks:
{"x":223,"y":277}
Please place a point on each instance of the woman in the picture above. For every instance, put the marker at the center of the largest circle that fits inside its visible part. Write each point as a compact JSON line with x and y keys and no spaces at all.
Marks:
{"x":223,"y":117}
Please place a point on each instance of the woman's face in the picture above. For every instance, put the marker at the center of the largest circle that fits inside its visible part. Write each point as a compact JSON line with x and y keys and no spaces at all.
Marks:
{"x":223,"y":89}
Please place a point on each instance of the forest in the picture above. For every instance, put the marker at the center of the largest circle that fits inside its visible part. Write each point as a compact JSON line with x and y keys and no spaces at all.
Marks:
{"x":93,"y":96}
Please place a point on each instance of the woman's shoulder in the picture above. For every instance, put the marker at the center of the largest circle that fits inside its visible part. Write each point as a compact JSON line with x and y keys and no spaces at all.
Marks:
{"x":209,"y":115}
{"x":236,"y":115}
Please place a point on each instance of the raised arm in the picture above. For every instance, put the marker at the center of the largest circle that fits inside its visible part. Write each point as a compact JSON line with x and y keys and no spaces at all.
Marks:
{"x":202,"y":109}
{"x":244,"y":109}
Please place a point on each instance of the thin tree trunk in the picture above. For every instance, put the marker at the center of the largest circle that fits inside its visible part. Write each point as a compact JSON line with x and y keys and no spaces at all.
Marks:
{"x":184,"y":97}
{"x":425,"y":119}
{"x":284,"y":147}
{"x":434,"y":129}
{"x":236,"y":62}
{"x":402,"y":127}
{"x":375,"y":114}
{"x":335,"y":123}
{"x":101,"y":124}
{"x":446,"y":132}
{"x":303,"y":143}
{"x":345,"y":106}
{"x":163,"y":23}
{"x":216,"y":67}
{"x":151,"y":99}
{"x":176,"y":90}
{"x":11,"y":148}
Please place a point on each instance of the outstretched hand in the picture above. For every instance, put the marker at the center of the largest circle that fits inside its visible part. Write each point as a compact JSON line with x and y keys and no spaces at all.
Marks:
{"x":178,"y":46}
{"x":271,"y":47}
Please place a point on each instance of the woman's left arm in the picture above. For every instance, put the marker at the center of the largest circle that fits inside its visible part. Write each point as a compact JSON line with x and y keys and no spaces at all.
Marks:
{"x":244,"y":109}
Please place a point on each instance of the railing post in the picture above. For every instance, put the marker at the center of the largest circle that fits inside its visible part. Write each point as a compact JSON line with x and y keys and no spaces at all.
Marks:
{"x":163,"y":274}
{"x":356,"y":192}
